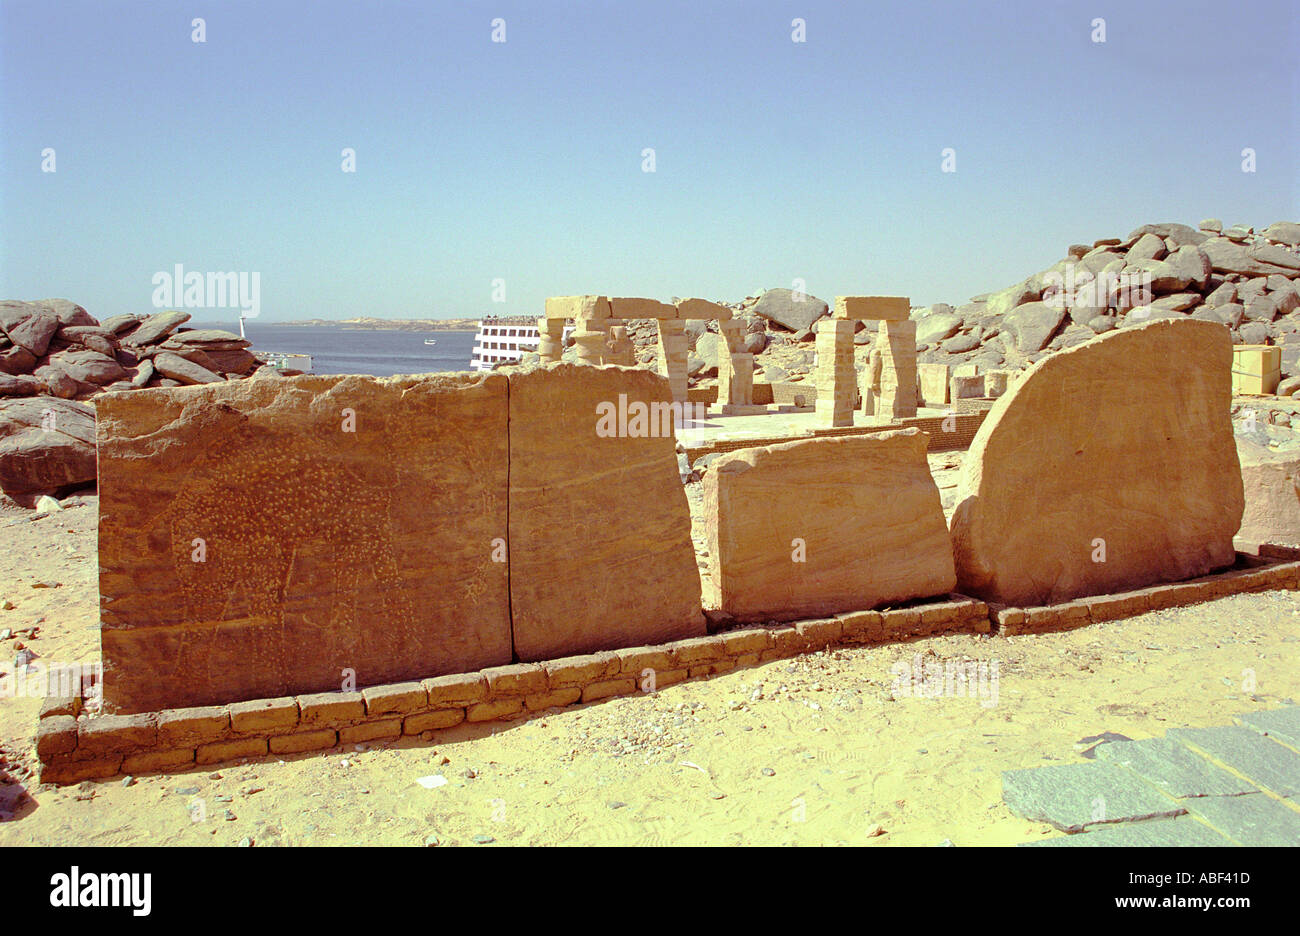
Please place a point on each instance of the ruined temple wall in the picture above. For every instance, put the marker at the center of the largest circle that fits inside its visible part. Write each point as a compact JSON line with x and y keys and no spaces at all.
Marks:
{"x":268,"y":537}
{"x":262,"y":537}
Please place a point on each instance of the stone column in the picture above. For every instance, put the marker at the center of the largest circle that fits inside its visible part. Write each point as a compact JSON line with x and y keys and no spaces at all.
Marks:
{"x":672,"y":356}
{"x":590,"y":337}
{"x":621,"y":350}
{"x":736,"y":383}
{"x":735,"y":370}
{"x":835,"y":374}
{"x":897,"y":369}
{"x":870,"y":383}
{"x":551,"y":346}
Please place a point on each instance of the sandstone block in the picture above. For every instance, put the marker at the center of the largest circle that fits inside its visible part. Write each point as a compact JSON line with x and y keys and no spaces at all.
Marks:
{"x":836,"y":376}
{"x":70,"y":771}
{"x":821,"y":633}
{"x":556,"y":698}
{"x":696,"y":650}
{"x":264,"y":715}
{"x":670,"y":678}
{"x":634,"y":660}
{"x":1271,"y":481}
{"x":699,"y":309}
{"x":967,"y":387}
{"x":491,"y":711}
{"x":933,"y":379}
{"x":456,"y":691}
{"x":518,"y":679}
{"x":317,"y":740}
{"x":220,"y":751}
{"x":883,"y":308}
{"x":599,"y":523}
{"x":897,"y":344}
{"x":115,"y":734}
{"x":580,"y":670}
{"x":608,"y":688}
{"x":866,"y":529}
{"x":331,"y":709}
{"x":1032,"y":522}
{"x":157,"y":761}
{"x":258,"y":537}
{"x":385,"y":729}
{"x":432,"y":721}
{"x":190,"y":727}
{"x":396,"y":698}
{"x":588,"y":308}
{"x":56,"y":735}
{"x":749,"y":640}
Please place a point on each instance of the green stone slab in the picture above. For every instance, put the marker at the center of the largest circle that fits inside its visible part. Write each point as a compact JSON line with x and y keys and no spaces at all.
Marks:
{"x":1183,"y":832}
{"x":1074,"y":796}
{"x":1173,"y":768}
{"x":1283,"y":723}
{"x":1253,"y":819}
{"x":1266,"y":762}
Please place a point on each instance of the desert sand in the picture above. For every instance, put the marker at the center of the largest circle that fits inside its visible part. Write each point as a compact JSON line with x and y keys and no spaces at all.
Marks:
{"x":811,"y":751}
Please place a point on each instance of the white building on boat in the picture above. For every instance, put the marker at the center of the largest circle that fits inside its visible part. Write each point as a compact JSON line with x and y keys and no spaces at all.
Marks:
{"x":505,"y":339}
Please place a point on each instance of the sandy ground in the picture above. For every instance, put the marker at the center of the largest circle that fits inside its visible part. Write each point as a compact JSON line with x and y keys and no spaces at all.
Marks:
{"x":825,"y":749}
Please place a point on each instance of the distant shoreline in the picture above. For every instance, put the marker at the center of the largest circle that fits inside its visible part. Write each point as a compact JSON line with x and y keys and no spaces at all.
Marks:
{"x":376,"y":324}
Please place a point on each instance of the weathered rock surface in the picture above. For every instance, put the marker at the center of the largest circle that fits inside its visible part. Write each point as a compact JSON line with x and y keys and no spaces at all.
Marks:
{"x":937,"y":326}
{"x":88,"y":367}
{"x":156,"y":327}
{"x":1272,"y":489}
{"x":1033,"y":325}
{"x":257,"y":538}
{"x":186,"y":371}
{"x":866,"y":528}
{"x":1032,"y":518}
{"x":796,"y":314}
{"x":45,"y":444}
{"x":29,"y":325}
{"x":600,"y":532}
{"x":1284,"y":232}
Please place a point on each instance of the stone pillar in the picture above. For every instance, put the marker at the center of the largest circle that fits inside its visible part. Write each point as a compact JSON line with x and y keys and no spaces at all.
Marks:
{"x":835,"y":374}
{"x":897,"y":369}
{"x":621,"y":350}
{"x":870,"y":381}
{"x":672,"y":356}
{"x":735,"y":370}
{"x":997,"y":382}
{"x":551,"y":346}
{"x":590,"y":337}
{"x":736,"y":383}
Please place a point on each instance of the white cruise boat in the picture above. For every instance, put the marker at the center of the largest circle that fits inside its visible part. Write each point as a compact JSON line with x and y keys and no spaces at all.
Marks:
{"x":505,"y":339}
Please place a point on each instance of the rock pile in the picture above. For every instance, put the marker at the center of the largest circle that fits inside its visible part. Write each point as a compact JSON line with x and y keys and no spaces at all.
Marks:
{"x":54,"y":348}
{"x":1240,"y":278}
{"x":1244,"y":279}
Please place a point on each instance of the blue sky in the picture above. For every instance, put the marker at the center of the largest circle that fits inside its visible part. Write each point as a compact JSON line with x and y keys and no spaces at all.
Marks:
{"x":522,"y":160}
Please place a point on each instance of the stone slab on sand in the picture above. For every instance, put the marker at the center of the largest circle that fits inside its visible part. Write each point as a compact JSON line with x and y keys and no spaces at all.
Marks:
{"x":1172,"y":768}
{"x":1182,"y":832}
{"x":600,"y":532}
{"x":820,"y":526}
{"x":1072,"y":797}
{"x":1108,"y":467}
{"x":258,"y":538}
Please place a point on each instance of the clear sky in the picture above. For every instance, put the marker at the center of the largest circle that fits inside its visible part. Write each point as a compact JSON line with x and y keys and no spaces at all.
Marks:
{"x":522,"y":160}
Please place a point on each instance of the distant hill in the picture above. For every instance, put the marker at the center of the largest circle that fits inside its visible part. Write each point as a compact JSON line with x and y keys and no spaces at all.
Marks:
{"x":369,"y":323}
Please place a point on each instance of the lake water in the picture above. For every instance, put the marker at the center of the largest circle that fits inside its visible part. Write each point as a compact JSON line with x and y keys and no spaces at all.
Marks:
{"x":377,"y":353}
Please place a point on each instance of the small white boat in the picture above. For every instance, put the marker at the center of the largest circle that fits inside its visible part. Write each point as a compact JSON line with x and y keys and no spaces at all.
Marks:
{"x":431,"y":341}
